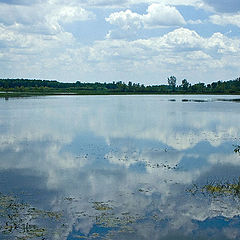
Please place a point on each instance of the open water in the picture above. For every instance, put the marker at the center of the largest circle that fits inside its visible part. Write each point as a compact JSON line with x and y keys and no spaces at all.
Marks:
{"x":120,"y":167}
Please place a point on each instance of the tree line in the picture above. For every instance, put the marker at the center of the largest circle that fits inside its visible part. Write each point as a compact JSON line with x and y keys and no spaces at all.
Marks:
{"x":24,"y":85}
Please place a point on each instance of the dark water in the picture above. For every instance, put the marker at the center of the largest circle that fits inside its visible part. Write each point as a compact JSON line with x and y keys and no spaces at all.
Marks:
{"x":119,"y":167}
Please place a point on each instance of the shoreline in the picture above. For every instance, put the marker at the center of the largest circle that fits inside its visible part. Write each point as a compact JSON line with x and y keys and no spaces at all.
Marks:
{"x":39,"y":94}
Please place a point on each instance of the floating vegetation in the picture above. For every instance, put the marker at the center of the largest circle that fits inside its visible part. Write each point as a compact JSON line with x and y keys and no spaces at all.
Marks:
{"x":199,"y":100}
{"x":229,"y":100}
{"x":145,"y":190}
{"x":80,"y":237}
{"x":69,"y":199}
{"x":211,"y":100}
{"x":193,"y":189}
{"x":22,"y":220}
{"x":227,"y":189}
{"x":112,"y":221}
{"x":195,"y":100}
{"x":92,"y":236}
{"x":115,"y":221}
{"x":162,"y":166}
{"x":237,"y":149}
{"x":101,"y":206}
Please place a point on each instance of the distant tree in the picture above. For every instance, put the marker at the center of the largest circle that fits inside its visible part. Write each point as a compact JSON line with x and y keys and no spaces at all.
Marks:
{"x":223,"y":87}
{"x":198,"y":87}
{"x":78,"y":83}
{"x":172,"y":82}
{"x":185,"y":84}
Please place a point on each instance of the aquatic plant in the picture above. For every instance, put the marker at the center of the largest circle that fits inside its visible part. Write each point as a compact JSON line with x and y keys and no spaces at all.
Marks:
{"x":237,"y":149}
{"x":216,"y":188}
{"x":21,"y":220}
{"x":101,"y":206}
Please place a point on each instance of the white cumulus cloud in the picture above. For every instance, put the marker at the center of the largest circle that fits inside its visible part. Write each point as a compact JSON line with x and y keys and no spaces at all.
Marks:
{"x":226,"y":19}
{"x":158,"y":15}
{"x":45,"y":18}
{"x":125,"y":19}
{"x":139,"y":38}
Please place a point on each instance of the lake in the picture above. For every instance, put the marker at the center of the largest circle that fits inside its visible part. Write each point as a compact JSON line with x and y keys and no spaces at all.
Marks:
{"x":120,"y":167}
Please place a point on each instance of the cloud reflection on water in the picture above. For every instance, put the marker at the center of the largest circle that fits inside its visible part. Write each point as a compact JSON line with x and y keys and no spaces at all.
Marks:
{"x":139,"y":153}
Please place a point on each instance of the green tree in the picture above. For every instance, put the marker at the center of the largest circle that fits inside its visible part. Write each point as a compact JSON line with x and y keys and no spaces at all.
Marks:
{"x":198,"y":88}
{"x":172,"y":82}
{"x":185,"y":84}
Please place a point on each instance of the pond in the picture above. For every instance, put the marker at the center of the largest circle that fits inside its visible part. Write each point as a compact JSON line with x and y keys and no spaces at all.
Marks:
{"x":120,"y":167}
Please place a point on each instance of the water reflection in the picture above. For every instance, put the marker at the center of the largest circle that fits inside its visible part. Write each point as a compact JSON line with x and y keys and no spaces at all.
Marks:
{"x":118,"y":167}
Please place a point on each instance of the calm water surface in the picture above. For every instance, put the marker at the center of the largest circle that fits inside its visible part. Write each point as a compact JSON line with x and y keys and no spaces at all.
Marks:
{"x":118,"y":167}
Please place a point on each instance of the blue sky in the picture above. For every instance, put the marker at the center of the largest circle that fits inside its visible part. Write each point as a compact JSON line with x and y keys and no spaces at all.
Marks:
{"x":130,"y":40}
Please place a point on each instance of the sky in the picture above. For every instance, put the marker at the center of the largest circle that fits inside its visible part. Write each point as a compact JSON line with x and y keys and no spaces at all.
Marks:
{"x":142,"y":41}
